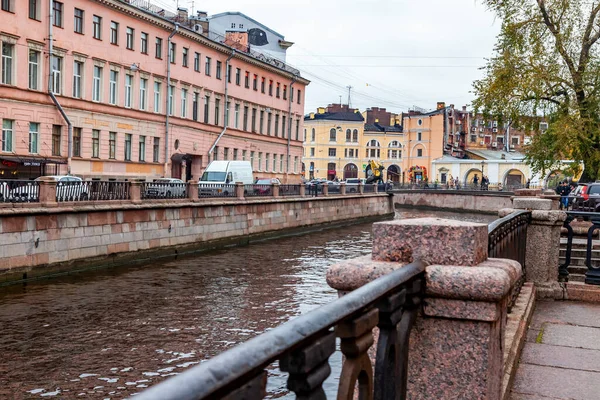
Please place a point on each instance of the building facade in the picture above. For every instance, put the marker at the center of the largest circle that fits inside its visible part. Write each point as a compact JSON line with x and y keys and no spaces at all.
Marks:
{"x":107,"y":67}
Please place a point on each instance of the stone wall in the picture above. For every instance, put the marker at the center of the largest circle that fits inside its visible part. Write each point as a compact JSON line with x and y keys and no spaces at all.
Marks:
{"x":42,"y":241}
{"x":453,"y":200}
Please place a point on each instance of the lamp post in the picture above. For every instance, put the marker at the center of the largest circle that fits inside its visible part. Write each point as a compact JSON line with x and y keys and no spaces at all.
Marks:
{"x":482,"y":164}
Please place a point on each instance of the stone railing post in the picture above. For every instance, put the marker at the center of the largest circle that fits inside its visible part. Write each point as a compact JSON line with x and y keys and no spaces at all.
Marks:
{"x":543,"y":244}
{"x":361,"y":188}
{"x":375,"y":188}
{"x":342,"y":188}
{"x":456,"y":344}
{"x":135,"y":192}
{"x":302,"y":190}
{"x":275,"y":189}
{"x":239,"y":190}
{"x":325,"y":187}
{"x":48,"y":194}
{"x":192,"y":188}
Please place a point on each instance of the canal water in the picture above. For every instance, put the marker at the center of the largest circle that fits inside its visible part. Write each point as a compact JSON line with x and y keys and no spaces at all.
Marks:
{"x":111,"y":333}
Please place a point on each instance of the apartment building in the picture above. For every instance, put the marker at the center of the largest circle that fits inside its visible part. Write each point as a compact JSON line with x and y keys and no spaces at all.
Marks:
{"x":108,"y":89}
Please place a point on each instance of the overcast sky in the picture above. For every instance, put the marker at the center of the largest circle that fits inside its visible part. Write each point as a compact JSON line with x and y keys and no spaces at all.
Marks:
{"x":395,"y":53}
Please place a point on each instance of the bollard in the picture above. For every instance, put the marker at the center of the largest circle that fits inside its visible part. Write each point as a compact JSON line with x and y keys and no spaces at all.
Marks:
{"x":135,"y":192}
{"x":239,"y":190}
{"x":48,"y":194}
{"x":325,"y":189}
{"x":192,"y":190}
{"x":343,"y":188}
{"x":302,"y":190}
{"x":375,"y":188}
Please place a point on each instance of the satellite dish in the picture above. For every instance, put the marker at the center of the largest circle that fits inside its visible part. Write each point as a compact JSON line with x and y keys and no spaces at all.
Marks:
{"x":198,"y":28}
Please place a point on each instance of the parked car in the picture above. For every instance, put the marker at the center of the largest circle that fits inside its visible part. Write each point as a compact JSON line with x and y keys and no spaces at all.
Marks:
{"x":68,"y":188}
{"x":352,"y":184}
{"x":586,"y":197}
{"x":166,"y":188}
{"x":263,"y":186}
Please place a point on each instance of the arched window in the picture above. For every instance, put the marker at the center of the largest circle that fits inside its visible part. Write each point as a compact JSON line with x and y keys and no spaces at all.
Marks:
{"x":355,"y":136}
{"x":373,"y":149}
{"x":348,"y":135}
{"x":312,"y":135}
{"x":394,"y":151}
{"x":333,"y":135}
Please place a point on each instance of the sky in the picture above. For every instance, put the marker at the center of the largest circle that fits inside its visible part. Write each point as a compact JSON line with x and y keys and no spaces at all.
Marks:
{"x":395,"y":54}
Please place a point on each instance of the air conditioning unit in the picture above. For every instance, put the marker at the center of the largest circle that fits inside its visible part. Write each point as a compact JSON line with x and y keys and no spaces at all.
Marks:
{"x":473,"y":129}
{"x":543,"y":126}
{"x":495,"y":144}
{"x":481,"y":129}
{"x":495,"y":124}
{"x":495,"y":130}
{"x":198,"y":28}
{"x":481,"y":135}
{"x":481,"y":143}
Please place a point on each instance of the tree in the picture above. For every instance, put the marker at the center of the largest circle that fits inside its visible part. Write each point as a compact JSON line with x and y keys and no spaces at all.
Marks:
{"x":546,"y":63}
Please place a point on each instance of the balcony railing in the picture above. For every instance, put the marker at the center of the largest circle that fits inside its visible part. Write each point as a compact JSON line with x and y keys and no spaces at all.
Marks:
{"x":303,"y":347}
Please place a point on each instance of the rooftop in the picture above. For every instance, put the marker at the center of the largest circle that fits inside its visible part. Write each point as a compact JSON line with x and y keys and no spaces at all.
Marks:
{"x":382,"y":128}
{"x":335,"y":116}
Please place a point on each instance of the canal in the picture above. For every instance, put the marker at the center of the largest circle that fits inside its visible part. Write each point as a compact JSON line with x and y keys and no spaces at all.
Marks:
{"x":108,"y":334}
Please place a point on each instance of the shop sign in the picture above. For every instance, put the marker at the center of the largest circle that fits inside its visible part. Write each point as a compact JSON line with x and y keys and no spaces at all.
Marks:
{"x":9,"y":163}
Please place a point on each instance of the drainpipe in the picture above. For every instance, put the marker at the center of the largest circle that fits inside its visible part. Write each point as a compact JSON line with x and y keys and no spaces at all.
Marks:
{"x":294,"y":79}
{"x":226,"y":110}
{"x":53,"y":97}
{"x":168,"y":91}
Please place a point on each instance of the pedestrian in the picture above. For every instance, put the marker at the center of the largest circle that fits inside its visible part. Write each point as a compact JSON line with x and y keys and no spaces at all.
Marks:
{"x":528,"y":184}
{"x":476,"y":181}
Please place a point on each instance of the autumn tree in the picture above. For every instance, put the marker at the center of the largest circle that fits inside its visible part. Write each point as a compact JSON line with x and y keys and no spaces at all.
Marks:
{"x":546,"y":63}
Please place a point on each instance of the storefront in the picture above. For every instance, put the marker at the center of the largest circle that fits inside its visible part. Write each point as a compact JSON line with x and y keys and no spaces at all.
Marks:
{"x":29,"y":168}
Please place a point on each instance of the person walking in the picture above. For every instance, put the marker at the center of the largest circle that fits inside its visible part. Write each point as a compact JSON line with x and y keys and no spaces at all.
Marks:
{"x":476,"y":181}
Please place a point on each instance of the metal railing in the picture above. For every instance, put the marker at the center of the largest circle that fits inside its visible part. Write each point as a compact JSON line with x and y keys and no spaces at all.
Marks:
{"x":72,"y":191}
{"x":105,"y":191}
{"x":216,"y":190}
{"x":592,"y":274}
{"x":258,"y":191}
{"x":17,"y":191}
{"x":164,"y":190}
{"x":289,"y":190}
{"x":507,"y":238}
{"x":460,"y":187}
{"x":303,"y":347}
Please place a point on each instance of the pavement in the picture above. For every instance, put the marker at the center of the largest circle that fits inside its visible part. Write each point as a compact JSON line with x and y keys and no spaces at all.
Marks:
{"x":561,"y":357}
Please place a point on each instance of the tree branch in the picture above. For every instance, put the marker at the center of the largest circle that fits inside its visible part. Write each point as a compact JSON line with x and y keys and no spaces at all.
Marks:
{"x":560,"y":46}
{"x":588,"y":40}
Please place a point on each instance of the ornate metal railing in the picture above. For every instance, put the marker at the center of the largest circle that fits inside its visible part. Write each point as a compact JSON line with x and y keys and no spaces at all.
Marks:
{"x":258,"y":190}
{"x":16,"y":191}
{"x":111,"y":190}
{"x":303,"y":346}
{"x":592,"y":275}
{"x":289,"y":190}
{"x":507,"y":238}
{"x":72,"y":191}
{"x":216,"y":190}
{"x":164,"y":190}
{"x":493,"y":187}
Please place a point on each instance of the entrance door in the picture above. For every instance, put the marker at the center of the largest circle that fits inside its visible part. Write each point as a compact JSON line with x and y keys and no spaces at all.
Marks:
{"x":331,"y":171}
{"x":350,"y":171}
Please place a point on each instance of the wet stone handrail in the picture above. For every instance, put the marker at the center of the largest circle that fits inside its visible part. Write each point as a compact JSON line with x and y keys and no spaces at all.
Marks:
{"x":303,"y":346}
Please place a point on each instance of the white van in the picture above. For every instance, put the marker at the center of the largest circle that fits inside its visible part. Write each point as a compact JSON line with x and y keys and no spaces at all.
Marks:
{"x":218,"y":174}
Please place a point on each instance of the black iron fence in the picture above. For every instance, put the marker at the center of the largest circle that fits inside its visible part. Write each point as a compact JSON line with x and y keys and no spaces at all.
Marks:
{"x":507,"y":238}
{"x":17,"y":191}
{"x":460,"y":187}
{"x":72,"y":191}
{"x":216,"y":190}
{"x":111,"y":190}
{"x":303,"y":346}
{"x":289,"y":190}
{"x":592,"y":274}
{"x":258,"y":190}
{"x":164,"y":190}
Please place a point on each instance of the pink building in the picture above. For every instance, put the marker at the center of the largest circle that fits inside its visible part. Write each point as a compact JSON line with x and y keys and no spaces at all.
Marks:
{"x":108,"y":63}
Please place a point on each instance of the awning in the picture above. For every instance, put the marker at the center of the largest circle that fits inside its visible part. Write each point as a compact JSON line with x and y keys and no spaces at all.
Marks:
{"x":178,"y":157}
{"x":10,"y":161}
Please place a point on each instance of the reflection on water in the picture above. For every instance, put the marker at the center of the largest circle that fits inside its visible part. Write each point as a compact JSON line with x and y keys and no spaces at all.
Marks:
{"x":112,"y":333}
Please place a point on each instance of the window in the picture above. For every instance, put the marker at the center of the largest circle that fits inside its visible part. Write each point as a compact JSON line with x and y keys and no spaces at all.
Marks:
{"x":312,"y":135}
{"x":274,"y":162}
{"x":172,"y":52}
{"x":332,"y":152}
{"x":262,"y":85}
{"x":143,"y":93}
{"x":184,"y":60}
{"x":266,"y":161}
{"x":297,"y":129}
{"x":219,"y":69}
{"x":156,"y":97}
{"x":95,"y":143}
{"x":195,"y":99}
{"x":348,"y":135}
{"x":233,"y":25}
{"x":255,"y":82}
{"x":76,"y":142}
{"x":113,"y":87}
{"x":238,"y":74}
{"x":276,"y":124}
{"x":296,"y":164}
{"x":373,"y":149}
{"x":206,"y":108}
{"x":57,"y":14}
{"x":395,"y":151}
{"x":244,"y":152}
{"x":114,"y":32}
{"x":262,"y":121}
{"x":197,"y":62}
{"x":112,"y":145}
{"x":127,"y":147}
{"x":229,"y":73}
{"x":245,"y":122}
{"x":285,"y":92}
{"x":158,"y":48}
{"x":77,"y":78}
{"x":247,"y":80}
{"x":241,"y":26}
{"x":34,"y":136}
{"x":171,"y":102}
{"x":332,"y":135}
{"x":225,"y":153}
{"x":419,"y":136}
{"x":419,"y":152}
{"x":284,"y":133}
{"x":217,"y":107}
{"x":270,"y":88}
{"x":281,"y":163}
{"x":97,"y":84}
{"x":355,"y":136}
{"x":253,"y":124}
{"x":473,"y":138}
{"x":312,"y":151}
{"x":259,"y":161}
{"x":144,"y":43}
{"x":237,"y":116}
{"x":227,"y":106}
{"x":235,"y":154}
{"x":515,"y":141}
{"x":269,"y":117}
{"x":34,"y":8}
{"x":207,"y":66}
{"x":7,"y":63}
{"x":128,"y":90}
{"x":34,"y":68}
{"x":7,"y":134}
{"x":184,"y":94}
{"x":78,"y":23}
{"x":129,"y":38}
{"x":142,"y":149}
{"x":156,"y":149}
{"x":277,"y":92}
{"x":216,"y":153}
{"x":420,"y":122}
{"x":299,"y":95}
{"x":97,"y":27}
{"x":252,"y":159}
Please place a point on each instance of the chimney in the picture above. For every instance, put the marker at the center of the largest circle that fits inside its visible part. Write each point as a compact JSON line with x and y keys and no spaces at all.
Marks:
{"x":182,"y":15}
{"x":321,"y":110}
{"x":312,"y":115}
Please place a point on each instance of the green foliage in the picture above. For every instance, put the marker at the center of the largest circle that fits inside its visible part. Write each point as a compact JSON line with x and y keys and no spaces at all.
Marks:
{"x":546,"y":63}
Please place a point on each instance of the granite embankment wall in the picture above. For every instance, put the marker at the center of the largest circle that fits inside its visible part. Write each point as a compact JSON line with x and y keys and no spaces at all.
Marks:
{"x":42,"y":241}
{"x":485,"y":202}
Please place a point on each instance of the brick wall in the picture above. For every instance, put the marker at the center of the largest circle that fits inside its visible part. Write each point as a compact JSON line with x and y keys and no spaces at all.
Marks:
{"x":35,"y":238}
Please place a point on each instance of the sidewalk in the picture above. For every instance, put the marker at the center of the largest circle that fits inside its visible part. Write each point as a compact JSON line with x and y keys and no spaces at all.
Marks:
{"x":561,"y":358}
